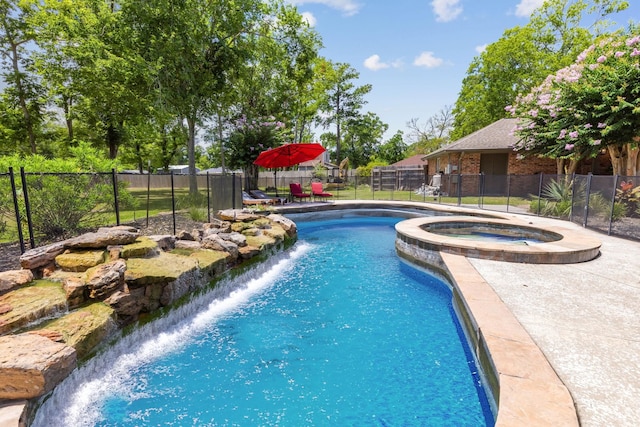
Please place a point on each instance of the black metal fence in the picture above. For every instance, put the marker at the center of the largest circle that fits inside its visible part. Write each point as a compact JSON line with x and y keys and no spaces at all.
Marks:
{"x":609,"y":204}
{"x":36,"y":208}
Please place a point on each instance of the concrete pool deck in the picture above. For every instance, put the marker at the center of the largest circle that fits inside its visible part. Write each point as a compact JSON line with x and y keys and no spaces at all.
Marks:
{"x":584,"y":317}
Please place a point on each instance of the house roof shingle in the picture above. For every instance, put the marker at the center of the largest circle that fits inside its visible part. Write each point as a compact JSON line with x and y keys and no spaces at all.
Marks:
{"x":416,"y":160}
{"x":498,"y":136}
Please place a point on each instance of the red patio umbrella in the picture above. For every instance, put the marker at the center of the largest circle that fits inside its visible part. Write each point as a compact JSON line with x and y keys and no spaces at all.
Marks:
{"x":288,"y":155}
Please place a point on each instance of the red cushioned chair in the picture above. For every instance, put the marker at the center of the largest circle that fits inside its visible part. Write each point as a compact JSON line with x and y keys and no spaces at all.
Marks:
{"x":297,"y":192}
{"x":318,"y":191}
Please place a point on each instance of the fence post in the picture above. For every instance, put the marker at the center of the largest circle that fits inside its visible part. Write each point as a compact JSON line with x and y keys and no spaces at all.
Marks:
{"x":508,"y":191}
{"x":16,"y":209}
{"x":573,"y":195}
{"x":114,"y":179}
{"x":355,"y":187}
{"x":613,"y":203}
{"x":481,"y":190}
{"x":27,"y":206}
{"x":148,"y":192}
{"x":459,"y":189}
{"x":233,"y":191}
{"x":208,"y":200}
{"x":173,"y":204}
{"x":540,"y":191}
{"x":373,"y":190}
{"x":586,"y":203}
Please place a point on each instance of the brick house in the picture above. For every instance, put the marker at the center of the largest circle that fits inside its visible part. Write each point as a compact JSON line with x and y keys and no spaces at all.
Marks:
{"x":489,"y":151}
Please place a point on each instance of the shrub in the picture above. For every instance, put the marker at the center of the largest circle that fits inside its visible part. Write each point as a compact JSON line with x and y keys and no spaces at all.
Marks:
{"x":629,"y":196}
{"x":556,"y":199}
{"x":65,"y":204}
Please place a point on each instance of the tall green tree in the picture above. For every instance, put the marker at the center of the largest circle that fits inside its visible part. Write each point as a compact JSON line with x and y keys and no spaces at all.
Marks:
{"x":23,"y":88}
{"x":342,"y":100}
{"x":89,"y":70}
{"x":394,"y":150}
{"x":363,"y":138}
{"x":193,"y":48}
{"x":557,"y":32}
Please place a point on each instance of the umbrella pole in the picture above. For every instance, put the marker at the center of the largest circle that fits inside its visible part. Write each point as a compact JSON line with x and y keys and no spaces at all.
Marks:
{"x":275,"y":181}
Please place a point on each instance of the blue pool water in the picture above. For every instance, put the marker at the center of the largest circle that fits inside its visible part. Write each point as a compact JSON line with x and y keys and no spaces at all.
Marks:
{"x":338,"y":331}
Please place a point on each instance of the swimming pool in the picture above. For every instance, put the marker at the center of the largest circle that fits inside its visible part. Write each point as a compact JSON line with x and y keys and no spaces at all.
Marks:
{"x":338,"y":331}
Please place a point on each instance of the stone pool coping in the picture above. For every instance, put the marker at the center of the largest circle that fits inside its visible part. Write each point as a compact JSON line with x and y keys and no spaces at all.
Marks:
{"x":571,"y":248}
{"x":525,"y":387}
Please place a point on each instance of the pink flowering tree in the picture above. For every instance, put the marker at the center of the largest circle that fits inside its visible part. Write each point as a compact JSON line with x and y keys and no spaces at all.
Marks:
{"x":591,"y":105}
{"x":248,"y":139}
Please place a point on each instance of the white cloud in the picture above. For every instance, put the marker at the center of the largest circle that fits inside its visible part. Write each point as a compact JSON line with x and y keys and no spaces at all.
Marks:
{"x":309,"y":18}
{"x":481,"y":48}
{"x":446,"y":10}
{"x":348,"y":7}
{"x":373,"y":63}
{"x":427,"y":60}
{"x":526,"y":7}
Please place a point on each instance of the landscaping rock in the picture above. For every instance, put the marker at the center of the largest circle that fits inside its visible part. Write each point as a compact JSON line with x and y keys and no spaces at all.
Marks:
{"x":42,"y":256}
{"x":143,"y":247}
{"x":237,"y":238}
{"x":188,"y":245}
{"x":164,"y":268}
{"x":14,"y":278}
{"x":248,"y":252}
{"x":31,"y":303}
{"x":286,"y":224}
{"x":85,"y":328}
{"x":234,"y":215}
{"x":217,"y":243}
{"x":128,"y":305}
{"x":211,"y":263}
{"x":80,"y":260}
{"x":165,"y":242}
{"x":105,"y":279}
{"x":103,"y":238}
{"x":76,"y":290}
{"x":32,"y":365}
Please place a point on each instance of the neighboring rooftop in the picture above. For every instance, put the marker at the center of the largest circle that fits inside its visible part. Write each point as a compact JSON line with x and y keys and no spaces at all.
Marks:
{"x":498,"y":136}
{"x":416,"y":160}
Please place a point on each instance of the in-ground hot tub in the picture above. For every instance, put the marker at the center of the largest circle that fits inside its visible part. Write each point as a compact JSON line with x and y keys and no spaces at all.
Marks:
{"x":492,"y":232}
{"x":495,"y":238}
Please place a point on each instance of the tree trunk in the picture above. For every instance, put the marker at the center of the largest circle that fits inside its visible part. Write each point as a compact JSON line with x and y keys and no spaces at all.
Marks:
{"x":113,"y":140}
{"x":221,"y":142}
{"x":633,"y":152}
{"x":617,"y":161}
{"x":559,"y":166}
{"x":251,"y":177}
{"x":571,"y":168}
{"x":66,"y":106}
{"x":191,"y":153}
{"x":28,"y":120}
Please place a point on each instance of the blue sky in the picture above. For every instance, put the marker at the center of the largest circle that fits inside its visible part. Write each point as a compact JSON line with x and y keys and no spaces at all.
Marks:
{"x":415,"y":53}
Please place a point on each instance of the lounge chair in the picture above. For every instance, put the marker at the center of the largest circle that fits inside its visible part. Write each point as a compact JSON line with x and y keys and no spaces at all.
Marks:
{"x":318,"y":191}
{"x":248,"y":200}
{"x":259,"y":194}
{"x":297,"y":193}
